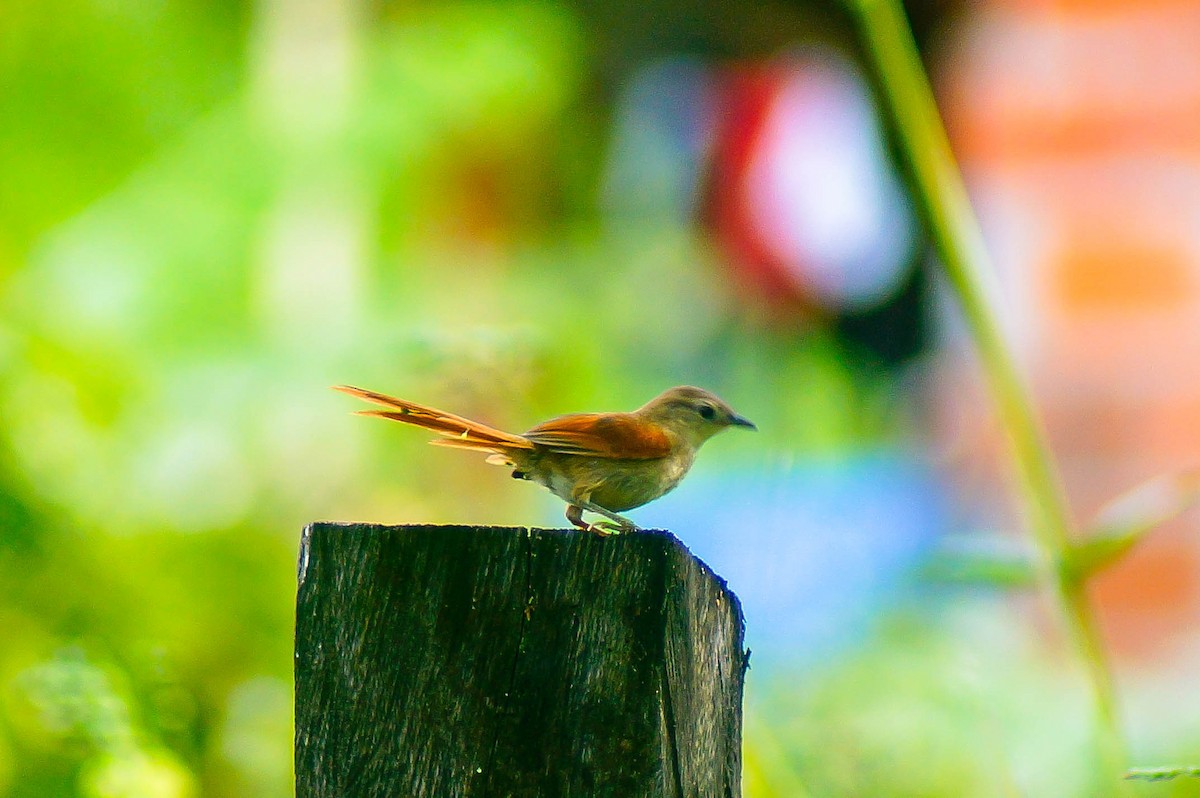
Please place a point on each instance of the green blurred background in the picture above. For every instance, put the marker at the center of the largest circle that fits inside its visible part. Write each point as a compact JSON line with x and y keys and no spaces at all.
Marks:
{"x":210,"y":211}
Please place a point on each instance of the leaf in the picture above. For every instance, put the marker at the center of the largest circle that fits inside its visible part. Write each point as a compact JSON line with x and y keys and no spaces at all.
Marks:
{"x":1126,"y":520}
{"x":1162,"y":773}
{"x":984,"y":560}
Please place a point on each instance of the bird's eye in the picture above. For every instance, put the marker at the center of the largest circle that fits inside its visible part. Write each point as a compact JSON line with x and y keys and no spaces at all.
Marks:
{"x":707,"y":412}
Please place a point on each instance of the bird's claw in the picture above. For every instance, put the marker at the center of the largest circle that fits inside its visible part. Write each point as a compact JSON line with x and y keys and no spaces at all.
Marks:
{"x":606,"y":528}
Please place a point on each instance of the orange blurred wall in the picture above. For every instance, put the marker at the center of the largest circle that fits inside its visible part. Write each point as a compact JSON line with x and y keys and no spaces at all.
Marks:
{"x":1077,"y":124}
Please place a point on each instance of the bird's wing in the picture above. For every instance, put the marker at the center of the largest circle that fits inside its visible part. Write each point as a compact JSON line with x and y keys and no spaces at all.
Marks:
{"x":460,"y":432}
{"x":621,"y":436}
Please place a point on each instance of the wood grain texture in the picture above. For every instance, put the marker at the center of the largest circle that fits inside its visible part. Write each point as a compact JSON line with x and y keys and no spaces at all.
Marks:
{"x":509,"y":663}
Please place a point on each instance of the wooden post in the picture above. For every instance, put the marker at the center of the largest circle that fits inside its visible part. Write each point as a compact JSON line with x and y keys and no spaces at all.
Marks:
{"x":495,"y":662}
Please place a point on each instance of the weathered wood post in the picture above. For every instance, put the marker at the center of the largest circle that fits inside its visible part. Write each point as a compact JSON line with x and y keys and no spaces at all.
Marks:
{"x":444,"y":661}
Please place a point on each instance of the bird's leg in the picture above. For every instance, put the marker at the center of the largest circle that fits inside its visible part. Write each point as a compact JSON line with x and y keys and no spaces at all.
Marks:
{"x":622,"y":524}
{"x":602,"y":528}
{"x":575,"y":516}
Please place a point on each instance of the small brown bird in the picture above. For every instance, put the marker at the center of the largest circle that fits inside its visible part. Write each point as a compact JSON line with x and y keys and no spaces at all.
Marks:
{"x":604,"y":463}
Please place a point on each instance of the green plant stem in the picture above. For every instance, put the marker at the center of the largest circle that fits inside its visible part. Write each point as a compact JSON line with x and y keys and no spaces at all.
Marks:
{"x":956,"y":234}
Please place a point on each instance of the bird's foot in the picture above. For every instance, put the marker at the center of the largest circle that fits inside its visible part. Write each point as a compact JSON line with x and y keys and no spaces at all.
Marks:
{"x":616,"y":525}
{"x":606,"y":528}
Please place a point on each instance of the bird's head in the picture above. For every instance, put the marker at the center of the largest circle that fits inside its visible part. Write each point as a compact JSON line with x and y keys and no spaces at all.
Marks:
{"x":693,"y":414}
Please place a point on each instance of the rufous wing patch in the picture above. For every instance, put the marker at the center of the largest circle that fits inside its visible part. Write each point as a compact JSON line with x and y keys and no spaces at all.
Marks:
{"x":621,"y":436}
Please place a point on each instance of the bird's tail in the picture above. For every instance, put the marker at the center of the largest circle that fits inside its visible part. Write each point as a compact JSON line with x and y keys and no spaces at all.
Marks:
{"x":459,"y":432}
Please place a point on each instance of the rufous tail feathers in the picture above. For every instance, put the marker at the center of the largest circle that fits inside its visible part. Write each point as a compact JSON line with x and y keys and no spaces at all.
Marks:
{"x":459,"y":432}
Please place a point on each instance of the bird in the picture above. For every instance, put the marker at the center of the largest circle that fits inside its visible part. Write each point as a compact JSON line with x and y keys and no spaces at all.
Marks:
{"x":602,"y":463}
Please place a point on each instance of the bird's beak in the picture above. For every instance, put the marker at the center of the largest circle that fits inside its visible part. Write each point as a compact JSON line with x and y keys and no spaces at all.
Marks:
{"x":741,"y":421}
